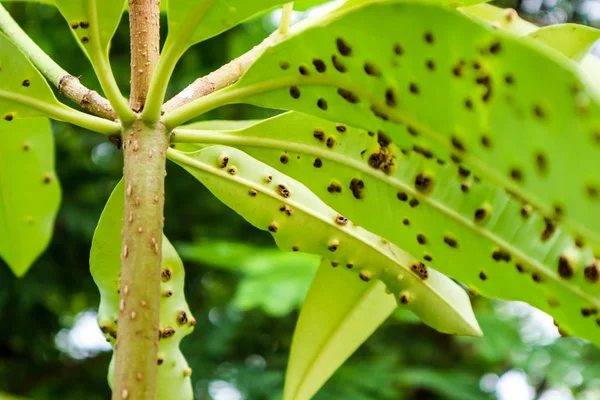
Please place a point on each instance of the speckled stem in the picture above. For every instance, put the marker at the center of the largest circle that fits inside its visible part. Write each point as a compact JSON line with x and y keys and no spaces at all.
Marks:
{"x":136,"y":349}
{"x":227,"y":75}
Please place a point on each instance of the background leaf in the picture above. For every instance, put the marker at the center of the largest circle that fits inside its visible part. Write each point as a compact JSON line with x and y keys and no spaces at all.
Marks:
{"x":572,"y":40}
{"x":273,"y":281}
{"x":339,"y":314}
{"x":26,"y":176}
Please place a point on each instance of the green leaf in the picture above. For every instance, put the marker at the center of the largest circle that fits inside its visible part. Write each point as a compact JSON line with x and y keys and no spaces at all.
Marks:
{"x":572,"y":40}
{"x":299,"y":221}
{"x":339,"y":314}
{"x":527,"y":126}
{"x":92,"y":22}
{"x":271,"y":280}
{"x":191,"y":24}
{"x":23,"y":90}
{"x":105,"y":266}
{"x":29,"y":191}
{"x":505,"y":18}
{"x":465,"y":228}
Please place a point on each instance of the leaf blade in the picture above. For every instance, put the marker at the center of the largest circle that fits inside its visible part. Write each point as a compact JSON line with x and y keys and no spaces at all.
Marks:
{"x":338,"y":315}
{"x":485,"y":222}
{"x":286,"y":209}
{"x":26,"y":223}
{"x":362,"y":86}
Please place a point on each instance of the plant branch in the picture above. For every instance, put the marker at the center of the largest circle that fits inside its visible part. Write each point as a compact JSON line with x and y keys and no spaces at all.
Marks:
{"x":67,"y":84}
{"x":144,"y":30}
{"x":61,"y":112}
{"x":227,"y":75}
{"x":286,"y":17}
{"x":174,"y":47}
{"x":144,"y":151}
{"x":103,"y":69}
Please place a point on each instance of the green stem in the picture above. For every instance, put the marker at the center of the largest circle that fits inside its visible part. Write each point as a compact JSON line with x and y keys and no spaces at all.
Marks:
{"x":68,"y":85}
{"x":61,"y":112}
{"x":41,"y":60}
{"x":175,"y":46}
{"x":160,"y":81}
{"x":104,"y":72}
{"x":136,"y":368}
{"x":286,"y":16}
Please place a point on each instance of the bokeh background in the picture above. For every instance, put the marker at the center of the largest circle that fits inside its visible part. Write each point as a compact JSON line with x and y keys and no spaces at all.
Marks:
{"x":244,"y":294}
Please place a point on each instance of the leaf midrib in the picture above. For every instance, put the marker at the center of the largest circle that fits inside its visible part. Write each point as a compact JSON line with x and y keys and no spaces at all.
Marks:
{"x":232,"y":139}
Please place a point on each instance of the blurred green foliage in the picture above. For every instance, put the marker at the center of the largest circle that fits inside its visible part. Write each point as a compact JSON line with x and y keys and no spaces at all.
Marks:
{"x":242,"y":291}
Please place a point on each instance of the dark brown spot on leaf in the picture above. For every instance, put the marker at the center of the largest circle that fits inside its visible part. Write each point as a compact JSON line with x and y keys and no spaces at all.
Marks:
{"x":357,"y":186}
{"x":319,"y":65}
{"x":371,"y":69}
{"x":338,"y":64}
{"x":343,"y":47}
{"x":565,"y":270}
{"x":294,"y":92}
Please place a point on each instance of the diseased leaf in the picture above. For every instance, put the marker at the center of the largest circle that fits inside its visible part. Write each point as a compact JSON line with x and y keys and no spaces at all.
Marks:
{"x":339,"y":314}
{"x":175,"y":317}
{"x":572,"y":40}
{"x":462,"y":226}
{"x":29,"y":191}
{"x":531,"y":127}
{"x":92,"y":22}
{"x":299,"y":221}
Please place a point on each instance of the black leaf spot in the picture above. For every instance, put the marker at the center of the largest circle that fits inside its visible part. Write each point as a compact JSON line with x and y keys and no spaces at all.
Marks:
{"x":343,"y":47}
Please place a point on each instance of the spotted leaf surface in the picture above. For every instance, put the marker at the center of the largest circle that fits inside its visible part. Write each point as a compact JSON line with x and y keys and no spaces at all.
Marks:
{"x":299,"y":221}
{"x":531,"y":127}
{"x":23,"y":90}
{"x":338,"y":315}
{"x":93,"y":22}
{"x":442,"y":214}
{"x":29,"y":191}
{"x":176,"y":320}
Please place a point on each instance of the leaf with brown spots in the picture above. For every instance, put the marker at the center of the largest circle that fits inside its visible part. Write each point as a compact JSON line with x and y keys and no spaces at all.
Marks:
{"x":314,"y":227}
{"x":466,"y":232}
{"x":26,"y":223}
{"x":105,"y":266}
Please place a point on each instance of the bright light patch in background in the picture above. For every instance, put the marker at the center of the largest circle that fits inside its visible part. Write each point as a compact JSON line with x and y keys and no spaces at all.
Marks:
{"x":315,"y":11}
{"x":84,"y":339}
{"x":513,"y":385}
{"x":537,"y":327}
{"x":223,"y":390}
